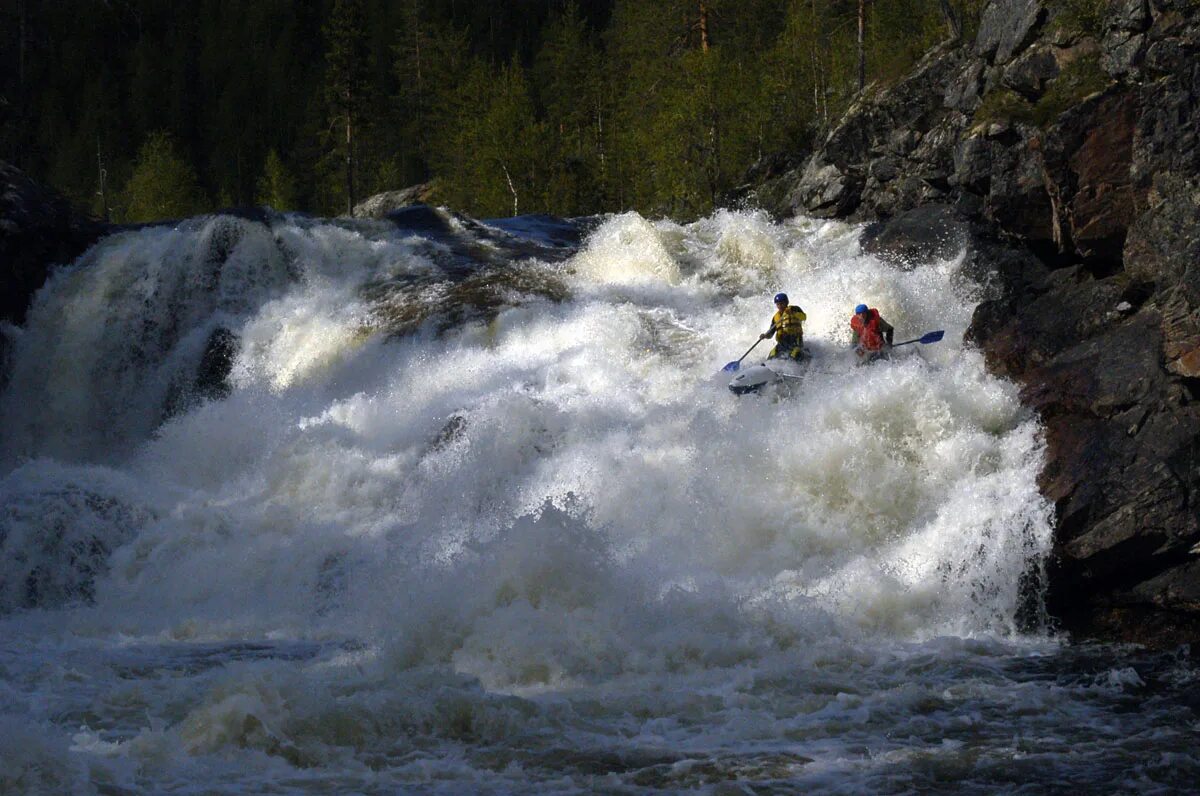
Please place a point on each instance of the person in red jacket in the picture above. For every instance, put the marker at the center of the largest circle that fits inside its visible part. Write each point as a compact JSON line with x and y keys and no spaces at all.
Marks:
{"x":874,"y":333}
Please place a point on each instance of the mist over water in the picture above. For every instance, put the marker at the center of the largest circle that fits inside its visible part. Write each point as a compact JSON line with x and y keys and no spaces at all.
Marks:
{"x":472,"y":510}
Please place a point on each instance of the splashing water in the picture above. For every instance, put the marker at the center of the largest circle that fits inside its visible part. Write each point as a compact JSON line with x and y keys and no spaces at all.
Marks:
{"x":470,"y":512}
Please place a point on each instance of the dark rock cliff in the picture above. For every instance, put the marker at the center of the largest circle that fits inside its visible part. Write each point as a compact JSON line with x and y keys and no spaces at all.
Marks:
{"x":38,"y":229}
{"x":1071,"y":159}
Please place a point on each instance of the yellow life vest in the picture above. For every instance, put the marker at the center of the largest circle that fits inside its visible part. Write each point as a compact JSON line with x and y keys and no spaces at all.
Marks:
{"x":789,"y":323}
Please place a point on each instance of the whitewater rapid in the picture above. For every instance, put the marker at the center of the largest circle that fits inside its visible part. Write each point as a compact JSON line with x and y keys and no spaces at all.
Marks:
{"x":472,"y":511}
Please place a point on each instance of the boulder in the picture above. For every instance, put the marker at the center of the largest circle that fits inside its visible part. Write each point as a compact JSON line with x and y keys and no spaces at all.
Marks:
{"x":824,"y":190}
{"x":919,"y":235}
{"x":1130,"y":16}
{"x":1007,"y":27}
{"x":38,"y":229}
{"x":381,"y":204}
{"x":963,"y":92}
{"x":1029,"y":74}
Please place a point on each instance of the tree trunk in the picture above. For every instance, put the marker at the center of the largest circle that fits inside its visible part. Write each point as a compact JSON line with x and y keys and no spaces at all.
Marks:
{"x":349,"y":166}
{"x":820,"y":103}
{"x":22,"y":35}
{"x":703,"y":27}
{"x":512,"y":188}
{"x":600,"y":137}
{"x":103,"y":183}
{"x":862,"y":53}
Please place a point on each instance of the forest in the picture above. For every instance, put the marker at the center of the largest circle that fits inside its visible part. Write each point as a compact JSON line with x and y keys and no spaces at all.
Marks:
{"x":141,"y":109}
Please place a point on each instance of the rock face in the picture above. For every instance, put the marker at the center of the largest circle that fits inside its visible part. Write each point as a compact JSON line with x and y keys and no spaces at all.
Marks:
{"x":37,"y":230}
{"x":1074,"y":159}
{"x":379,"y":205}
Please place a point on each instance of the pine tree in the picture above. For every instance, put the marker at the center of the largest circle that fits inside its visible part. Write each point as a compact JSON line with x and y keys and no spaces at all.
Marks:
{"x":568,"y":81}
{"x":163,"y":184}
{"x":650,"y":104}
{"x":347,"y":86}
{"x":490,"y":162}
{"x":430,"y":61}
{"x":276,"y":187}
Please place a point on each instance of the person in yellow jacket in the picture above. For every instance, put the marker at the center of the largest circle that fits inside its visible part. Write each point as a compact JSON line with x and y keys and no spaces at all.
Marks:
{"x":787,"y":325}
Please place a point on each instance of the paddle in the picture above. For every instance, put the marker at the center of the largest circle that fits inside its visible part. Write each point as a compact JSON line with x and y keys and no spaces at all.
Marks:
{"x":928,"y":337}
{"x":732,"y":366}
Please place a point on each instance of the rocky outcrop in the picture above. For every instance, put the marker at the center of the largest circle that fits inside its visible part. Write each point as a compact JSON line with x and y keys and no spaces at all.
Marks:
{"x":38,"y":229}
{"x":379,"y":205}
{"x":1074,"y":159}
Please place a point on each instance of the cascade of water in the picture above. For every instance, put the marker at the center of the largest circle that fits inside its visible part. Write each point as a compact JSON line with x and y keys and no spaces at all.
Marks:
{"x":503,"y":474}
{"x":900,"y":496}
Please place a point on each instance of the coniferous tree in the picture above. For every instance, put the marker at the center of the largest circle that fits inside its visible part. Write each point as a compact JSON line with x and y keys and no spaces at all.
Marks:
{"x":430,"y":61}
{"x":656,"y":105}
{"x":276,"y":186}
{"x":490,"y":163}
{"x":163,"y":184}
{"x":569,"y":85}
{"x":347,"y":86}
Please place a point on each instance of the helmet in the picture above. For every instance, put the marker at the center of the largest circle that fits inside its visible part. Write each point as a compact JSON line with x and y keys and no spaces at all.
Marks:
{"x":781,"y":297}
{"x":860,"y":309}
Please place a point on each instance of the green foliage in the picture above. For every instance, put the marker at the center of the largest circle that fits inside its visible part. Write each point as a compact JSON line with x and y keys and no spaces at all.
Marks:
{"x":1078,"y":80}
{"x":1080,"y":16}
{"x":490,"y":161}
{"x":347,"y":92}
{"x":1003,"y":105}
{"x":276,"y":186}
{"x":970,"y":12}
{"x":576,"y":108}
{"x":162,"y":185}
{"x":569,"y":87}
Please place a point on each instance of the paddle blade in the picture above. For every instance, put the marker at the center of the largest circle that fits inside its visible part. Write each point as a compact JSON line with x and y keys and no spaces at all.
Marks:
{"x":732,"y":366}
{"x":933,"y":337}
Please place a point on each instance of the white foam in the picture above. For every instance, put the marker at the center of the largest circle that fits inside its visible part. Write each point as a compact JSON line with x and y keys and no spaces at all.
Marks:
{"x":559,"y":497}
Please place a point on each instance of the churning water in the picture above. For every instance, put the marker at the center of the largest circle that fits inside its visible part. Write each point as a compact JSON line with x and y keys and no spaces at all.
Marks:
{"x":295,"y":506}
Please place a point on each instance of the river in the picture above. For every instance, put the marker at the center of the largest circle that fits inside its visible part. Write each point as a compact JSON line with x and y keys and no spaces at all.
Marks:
{"x":467,"y":508}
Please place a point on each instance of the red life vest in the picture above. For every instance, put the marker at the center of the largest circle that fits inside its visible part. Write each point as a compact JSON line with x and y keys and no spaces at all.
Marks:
{"x":868,"y":333}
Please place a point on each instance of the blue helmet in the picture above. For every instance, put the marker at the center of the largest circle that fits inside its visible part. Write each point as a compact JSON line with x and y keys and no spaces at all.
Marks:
{"x":781,"y":297}
{"x":860,"y":309}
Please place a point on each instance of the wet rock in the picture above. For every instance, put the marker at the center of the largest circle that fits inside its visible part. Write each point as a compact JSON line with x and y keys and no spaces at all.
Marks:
{"x":381,"y":204}
{"x":1177,"y":589}
{"x":55,"y":543}
{"x":416,"y":217}
{"x":824,"y":190}
{"x":212,"y":375}
{"x":916,"y":236}
{"x":38,"y":229}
